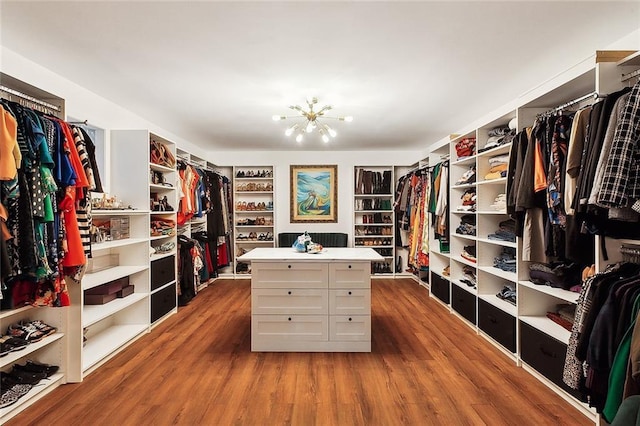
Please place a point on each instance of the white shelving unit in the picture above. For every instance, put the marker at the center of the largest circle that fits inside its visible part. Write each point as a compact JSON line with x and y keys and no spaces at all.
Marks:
{"x":520,"y":330}
{"x":373,"y":220}
{"x":254,"y":213}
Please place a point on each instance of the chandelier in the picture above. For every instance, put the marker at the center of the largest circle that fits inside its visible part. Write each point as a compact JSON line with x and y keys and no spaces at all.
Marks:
{"x":311,"y":120}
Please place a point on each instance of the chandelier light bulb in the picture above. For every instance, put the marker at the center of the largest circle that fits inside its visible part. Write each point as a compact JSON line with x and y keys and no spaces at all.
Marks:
{"x":311,"y":118}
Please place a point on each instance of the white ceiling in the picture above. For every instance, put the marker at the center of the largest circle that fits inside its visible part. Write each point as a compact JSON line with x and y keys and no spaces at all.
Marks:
{"x":215,"y":72}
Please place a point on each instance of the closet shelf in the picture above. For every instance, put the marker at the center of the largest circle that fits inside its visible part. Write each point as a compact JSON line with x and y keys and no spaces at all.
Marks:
{"x":500,"y":181}
{"x":13,"y":357}
{"x":510,"y":276}
{"x":253,"y":211}
{"x":253,"y":178}
{"x":496,"y":151}
{"x":159,"y":168}
{"x":44,"y":387}
{"x":372,"y":195}
{"x":254,"y":226}
{"x":504,"y":306}
{"x":466,"y":237}
{"x":254,"y":192}
{"x":108,"y":341}
{"x":169,"y":284}
{"x":160,"y":237}
{"x":631,"y":60}
{"x":464,"y":186}
{"x":464,"y":161}
{"x":500,"y":212}
{"x":119,"y":212}
{"x":162,"y":187}
{"x":11,"y":312}
{"x":254,"y":242}
{"x":567,"y":296}
{"x":497,"y":242}
{"x":117,"y":243}
{"x":548,"y":327}
{"x":101,"y":277}
{"x":94,"y":313}
{"x":444,"y":277}
{"x":162,"y":255}
{"x":374,"y":236}
{"x":373,"y":211}
{"x":461,"y":259}
{"x":465,"y":287}
{"x":378,"y":224}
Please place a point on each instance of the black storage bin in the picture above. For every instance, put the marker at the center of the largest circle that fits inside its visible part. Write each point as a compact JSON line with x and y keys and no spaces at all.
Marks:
{"x":163,"y":271}
{"x":440,"y":288}
{"x":163,"y":302}
{"x":498,"y":324}
{"x":464,"y":303}
{"x":544,"y":354}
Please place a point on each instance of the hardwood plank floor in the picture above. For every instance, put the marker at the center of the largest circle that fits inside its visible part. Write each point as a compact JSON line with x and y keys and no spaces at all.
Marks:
{"x":426,"y":368}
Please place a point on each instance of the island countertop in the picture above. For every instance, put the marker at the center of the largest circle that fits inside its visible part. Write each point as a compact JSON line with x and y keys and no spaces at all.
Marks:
{"x":328,"y":254}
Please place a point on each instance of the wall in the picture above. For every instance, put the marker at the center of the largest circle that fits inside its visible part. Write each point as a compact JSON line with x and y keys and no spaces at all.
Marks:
{"x":345,"y":160}
{"x":82,"y":104}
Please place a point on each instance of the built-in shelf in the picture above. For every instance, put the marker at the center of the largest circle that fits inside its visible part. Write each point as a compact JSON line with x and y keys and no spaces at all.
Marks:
{"x":631,"y":60}
{"x":160,"y":237}
{"x":254,"y":192}
{"x":159,"y":256}
{"x":500,"y":181}
{"x":13,"y":357}
{"x":499,"y":303}
{"x":373,"y":211}
{"x":108,"y":341}
{"x":461,"y":259}
{"x":500,"y":212}
{"x":464,"y":161}
{"x":510,"y":276}
{"x":161,"y":187}
{"x":548,"y":327}
{"x":464,"y":186}
{"x":464,"y":236}
{"x":502,"y":149}
{"x":567,"y":296}
{"x":43,"y":387}
{"x":117,"y":243}
{"x":119,"y":212}
{"x":94,"y":313}
{"x":11,"y":312}
{"x":373,"y":195}
{"x":106,"y":275}
{"x":465,"y":287}
{"x":159,"y":168}
{"x":497,"y":242}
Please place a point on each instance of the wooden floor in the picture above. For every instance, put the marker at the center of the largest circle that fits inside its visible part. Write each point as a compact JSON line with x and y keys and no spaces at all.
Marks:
{"x":426,"y":367}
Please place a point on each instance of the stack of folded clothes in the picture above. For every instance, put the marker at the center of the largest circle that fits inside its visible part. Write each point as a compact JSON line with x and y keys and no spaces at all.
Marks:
{"x":506,"y":260}
{"x":468,"y":177}
{"x":467,"y":225}
{"x":557,"y":275}
{"x":468,"y":201}
{"x":508,"y":294}
{"x":469,"y":253}
{"x":466,"y":147}
{"x":498,"y":137}
{"x":499,"y":165}
{"x":469,"y":276}
{"x":565,"y":315}
{"x":500,"y":203}
{"x":506,"y":232}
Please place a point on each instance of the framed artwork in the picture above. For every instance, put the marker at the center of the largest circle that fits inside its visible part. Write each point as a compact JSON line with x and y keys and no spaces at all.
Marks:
{"x":314,"y":194}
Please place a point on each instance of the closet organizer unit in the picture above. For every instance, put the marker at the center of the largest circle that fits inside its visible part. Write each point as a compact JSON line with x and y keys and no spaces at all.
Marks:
{"x":53,"y":348}
{"x":439,"y":246}
{"x":163,"y":231}
{"x":523,"y":331}
{"x":373,"y":215}
{"x":254,"y":215}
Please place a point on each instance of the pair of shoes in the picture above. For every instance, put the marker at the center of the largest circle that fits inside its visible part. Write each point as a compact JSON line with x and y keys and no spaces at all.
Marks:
{"x":36,"y":367}
{"x":11,"y":344}
{"x":33,"y":331}
{"x":11,"y":391}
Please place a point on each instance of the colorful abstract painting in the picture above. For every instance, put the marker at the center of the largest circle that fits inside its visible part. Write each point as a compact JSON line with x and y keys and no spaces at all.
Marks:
{"x":314,"y":194}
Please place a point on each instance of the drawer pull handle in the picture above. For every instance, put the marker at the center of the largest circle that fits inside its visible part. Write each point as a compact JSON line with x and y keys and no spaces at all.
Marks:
{"x":547,"y":353}
{"x":289,"y":318}
{"x":289,"y":266}
{"x":349,"y":319}
{"x":289,"y":292}
{"x":349,"y":293}
{"x":349,"y":266}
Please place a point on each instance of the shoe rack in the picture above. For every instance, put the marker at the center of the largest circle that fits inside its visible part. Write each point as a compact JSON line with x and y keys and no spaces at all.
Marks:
{"x":373,"y":215}
{"x":254,"y":213}
{"x":163,"y":196}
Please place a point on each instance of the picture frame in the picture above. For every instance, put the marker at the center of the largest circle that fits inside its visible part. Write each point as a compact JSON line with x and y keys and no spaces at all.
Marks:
{"x":313,"y":193}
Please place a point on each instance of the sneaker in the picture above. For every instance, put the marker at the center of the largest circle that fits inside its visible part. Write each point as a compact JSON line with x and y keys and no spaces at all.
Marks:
{"x":469,"y":253}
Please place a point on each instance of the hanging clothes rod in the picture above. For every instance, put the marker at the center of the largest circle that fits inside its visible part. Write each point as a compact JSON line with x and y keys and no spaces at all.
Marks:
{"x":630,"y":75}
{"x":594,"y":95}
{"x":29,"y":98}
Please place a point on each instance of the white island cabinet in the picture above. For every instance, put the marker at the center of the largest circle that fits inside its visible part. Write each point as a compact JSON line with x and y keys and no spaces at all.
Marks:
{"x":311,"y":302}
